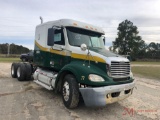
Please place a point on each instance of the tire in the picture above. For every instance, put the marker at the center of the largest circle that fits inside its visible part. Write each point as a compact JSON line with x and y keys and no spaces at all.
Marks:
{"x":28,"y":69}
{"x":21,"y":72}
{"x":70,"y":92}
{"x":14,"y":67}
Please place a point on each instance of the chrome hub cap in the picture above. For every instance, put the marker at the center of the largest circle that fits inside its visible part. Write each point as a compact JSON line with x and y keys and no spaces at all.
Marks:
{"x":18,"y":72}
{"x":66,"y":91}
{"x":12,"y":70}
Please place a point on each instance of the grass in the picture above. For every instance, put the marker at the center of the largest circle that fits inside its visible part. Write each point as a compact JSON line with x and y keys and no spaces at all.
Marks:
{"x":147,"y":71}
{"x":9,"y":59}
{"x":145,"y":63}
{"x":11,"y":55}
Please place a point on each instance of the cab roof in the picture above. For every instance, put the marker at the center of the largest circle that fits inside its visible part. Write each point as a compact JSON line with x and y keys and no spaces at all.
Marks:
{"x":73,"y":23}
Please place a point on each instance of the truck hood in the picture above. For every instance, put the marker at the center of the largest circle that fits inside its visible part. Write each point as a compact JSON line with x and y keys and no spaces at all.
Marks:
{"x":109,"y":56}
{"x":24,"y":54}
{"x":104,"y":52}
{"x":98,"y":54}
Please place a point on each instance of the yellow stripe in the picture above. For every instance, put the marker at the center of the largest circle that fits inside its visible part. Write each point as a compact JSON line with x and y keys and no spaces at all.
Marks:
{"x":58,"y":52}
{"x":40,"y":47}
{"x":85,"y":57}
{"x":49,"y":49}
{"x":73,"y":55}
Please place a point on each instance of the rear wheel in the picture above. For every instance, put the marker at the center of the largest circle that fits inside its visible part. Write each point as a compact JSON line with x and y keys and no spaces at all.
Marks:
{"x":21,"y":72}
{"x":14,"y":67}
{"x":28,"y":69}
{"x":70,"y":92}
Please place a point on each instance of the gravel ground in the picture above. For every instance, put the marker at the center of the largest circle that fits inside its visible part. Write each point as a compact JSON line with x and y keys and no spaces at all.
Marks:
{"x":27,"y":100}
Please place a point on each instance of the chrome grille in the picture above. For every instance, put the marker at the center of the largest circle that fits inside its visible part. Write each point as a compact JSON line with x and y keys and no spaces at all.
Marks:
{"x":120,"y":69}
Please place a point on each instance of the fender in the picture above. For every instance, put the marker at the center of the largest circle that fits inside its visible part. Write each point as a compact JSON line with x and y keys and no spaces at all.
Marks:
{"x":81,"y":72}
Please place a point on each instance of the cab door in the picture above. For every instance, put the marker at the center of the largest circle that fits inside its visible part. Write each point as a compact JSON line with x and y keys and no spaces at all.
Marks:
{"x":57,"y":51}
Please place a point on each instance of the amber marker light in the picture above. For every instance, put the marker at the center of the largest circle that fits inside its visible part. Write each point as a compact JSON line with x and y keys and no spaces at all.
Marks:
{"x":75,"y":24}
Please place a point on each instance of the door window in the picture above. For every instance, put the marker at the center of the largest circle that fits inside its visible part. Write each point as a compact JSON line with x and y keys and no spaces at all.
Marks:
{"x":59,"y":37}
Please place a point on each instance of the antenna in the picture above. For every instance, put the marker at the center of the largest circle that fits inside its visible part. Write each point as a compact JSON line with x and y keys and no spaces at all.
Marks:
{"x":41,"y":19}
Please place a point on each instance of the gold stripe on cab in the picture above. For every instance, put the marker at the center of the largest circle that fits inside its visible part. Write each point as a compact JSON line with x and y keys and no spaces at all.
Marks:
{"x":73,"y":55}
{"x":81,"y":56}
{"x":50,"y":49}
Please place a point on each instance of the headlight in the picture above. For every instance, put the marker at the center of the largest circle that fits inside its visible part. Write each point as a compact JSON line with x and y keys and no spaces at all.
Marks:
{"x":95,"y":78}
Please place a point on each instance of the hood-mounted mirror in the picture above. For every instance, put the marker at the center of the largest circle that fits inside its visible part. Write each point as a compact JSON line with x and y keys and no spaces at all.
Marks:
{"x":83,"y":47}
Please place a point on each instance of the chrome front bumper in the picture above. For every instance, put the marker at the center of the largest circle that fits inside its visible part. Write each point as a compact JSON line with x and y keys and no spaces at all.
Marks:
{"x":100,"y":96}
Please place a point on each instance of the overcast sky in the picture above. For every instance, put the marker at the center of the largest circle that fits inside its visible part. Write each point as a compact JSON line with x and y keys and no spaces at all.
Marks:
{"x":18,"y":18}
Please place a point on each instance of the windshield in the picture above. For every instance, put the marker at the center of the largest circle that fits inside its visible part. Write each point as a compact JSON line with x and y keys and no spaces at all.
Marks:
{"x":78,"y":36}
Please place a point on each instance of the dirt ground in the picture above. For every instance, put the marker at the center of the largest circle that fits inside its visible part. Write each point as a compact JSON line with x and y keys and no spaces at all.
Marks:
{"x":27,"y":100}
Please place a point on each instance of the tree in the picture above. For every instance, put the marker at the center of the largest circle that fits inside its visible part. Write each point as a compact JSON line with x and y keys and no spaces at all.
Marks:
{"x":153,"y":46}
{"x":128,"y":40}
{"x":153,"y":51}
{"x":14,"y":49}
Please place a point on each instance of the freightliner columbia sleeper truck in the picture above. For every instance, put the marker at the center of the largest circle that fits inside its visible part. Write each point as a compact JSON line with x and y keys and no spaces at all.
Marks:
{"x":70,"y":57}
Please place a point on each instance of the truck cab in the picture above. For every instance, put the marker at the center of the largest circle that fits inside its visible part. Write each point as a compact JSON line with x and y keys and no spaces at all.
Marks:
{"x":70,"y":57}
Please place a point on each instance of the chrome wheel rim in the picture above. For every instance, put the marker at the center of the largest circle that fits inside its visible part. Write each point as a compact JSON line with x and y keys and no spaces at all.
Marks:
{"x":12,"y":70}
{"x":18,"y":72}
{"x":66,"y":91}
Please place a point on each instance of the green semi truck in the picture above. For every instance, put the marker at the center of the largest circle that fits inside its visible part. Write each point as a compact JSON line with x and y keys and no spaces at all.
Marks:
{"x":70,"y":58}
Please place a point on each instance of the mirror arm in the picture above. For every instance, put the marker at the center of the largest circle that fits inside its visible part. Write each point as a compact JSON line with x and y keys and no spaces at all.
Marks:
{"x":104,"y":40}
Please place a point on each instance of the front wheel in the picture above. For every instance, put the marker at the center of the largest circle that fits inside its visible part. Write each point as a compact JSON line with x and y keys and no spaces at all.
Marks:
{"x":70,"y":92}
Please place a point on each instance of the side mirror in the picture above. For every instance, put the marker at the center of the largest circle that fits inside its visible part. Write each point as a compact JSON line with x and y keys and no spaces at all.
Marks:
{"x":50,"y":40}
